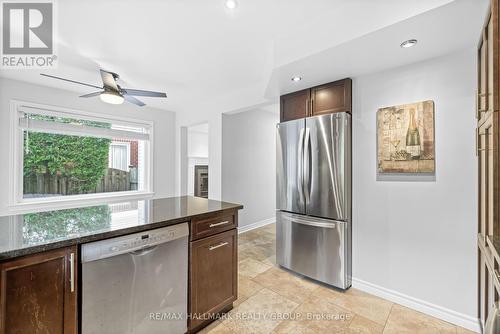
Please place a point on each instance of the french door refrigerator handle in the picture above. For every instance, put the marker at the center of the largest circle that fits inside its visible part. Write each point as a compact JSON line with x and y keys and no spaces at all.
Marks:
{"x":307,"y":165}
{"x":300,"y":168}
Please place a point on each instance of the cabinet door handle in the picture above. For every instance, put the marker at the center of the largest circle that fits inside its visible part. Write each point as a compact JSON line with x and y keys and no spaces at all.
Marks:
{"x":211,"y":248}
{"x":219,"y":224}
{"x":72,"y":271}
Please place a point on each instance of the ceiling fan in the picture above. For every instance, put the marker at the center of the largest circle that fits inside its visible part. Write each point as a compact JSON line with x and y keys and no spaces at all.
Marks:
{"x":111,"y":92}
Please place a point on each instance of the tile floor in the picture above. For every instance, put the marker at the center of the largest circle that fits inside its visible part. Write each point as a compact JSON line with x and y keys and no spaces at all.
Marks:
{"x":273,"y":300}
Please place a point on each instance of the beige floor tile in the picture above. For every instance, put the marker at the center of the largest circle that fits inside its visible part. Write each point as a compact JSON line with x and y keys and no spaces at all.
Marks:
{"x":271,"y":261}
{"x":319,"y":314}
{"x":265,"y":240}
{"x":210,"y":327}
{"x":461,"y":330}
{"x":271,"y":228}
{"x":250,"y":268}
{"x":256,"y":252}
{"x":361,"y":325}
{"x":286,"y":284}
{"x":247,"y":287}
{"x":404,"y":320}
{"x":216,"y":328}
{"x":248,"y":236}
{"x":258,"y":313}
{"x":371,"y":307}
{"x":294,"y":327}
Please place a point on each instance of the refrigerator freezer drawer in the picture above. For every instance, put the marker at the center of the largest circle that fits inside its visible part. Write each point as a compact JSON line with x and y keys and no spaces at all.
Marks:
{"x":314,"y":247}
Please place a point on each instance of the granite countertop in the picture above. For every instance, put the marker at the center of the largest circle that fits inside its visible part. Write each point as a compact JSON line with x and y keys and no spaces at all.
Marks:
{"x":36,"y":232}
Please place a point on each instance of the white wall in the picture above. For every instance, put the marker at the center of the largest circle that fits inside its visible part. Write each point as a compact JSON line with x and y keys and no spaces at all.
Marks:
{"x":249,"y":163}
{"x":197,"y":144}
{"x":419,"y":238}
{"x":164,"y":129}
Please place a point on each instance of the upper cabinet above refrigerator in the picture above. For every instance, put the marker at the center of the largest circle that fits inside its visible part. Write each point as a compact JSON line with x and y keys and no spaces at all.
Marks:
{"x":295,"y":105}
{"x":324,"y":99}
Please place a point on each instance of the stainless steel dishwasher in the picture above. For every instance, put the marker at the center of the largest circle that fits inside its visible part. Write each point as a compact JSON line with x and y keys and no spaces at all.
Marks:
{"x":136,"y":283}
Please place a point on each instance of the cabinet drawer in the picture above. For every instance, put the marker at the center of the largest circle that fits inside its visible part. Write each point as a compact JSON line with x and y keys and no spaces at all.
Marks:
{"x":210,"y":225}
{"x":213,"y":275}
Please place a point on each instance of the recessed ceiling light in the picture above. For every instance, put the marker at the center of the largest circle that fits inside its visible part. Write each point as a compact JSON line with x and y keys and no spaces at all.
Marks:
{"x":231,"y":4}
{"x":409,"y":43}
{"x":296,"y":79}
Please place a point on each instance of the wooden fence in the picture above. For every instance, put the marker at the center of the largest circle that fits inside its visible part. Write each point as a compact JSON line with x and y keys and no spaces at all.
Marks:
{"x":48,"y":184}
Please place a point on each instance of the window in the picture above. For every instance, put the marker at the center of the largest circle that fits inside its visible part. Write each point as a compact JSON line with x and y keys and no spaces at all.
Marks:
{"x":119,"y":155}
{"x":62,"y":155}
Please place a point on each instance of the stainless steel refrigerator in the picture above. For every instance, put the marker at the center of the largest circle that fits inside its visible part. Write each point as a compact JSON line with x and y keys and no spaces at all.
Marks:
{"x":313,"y":217}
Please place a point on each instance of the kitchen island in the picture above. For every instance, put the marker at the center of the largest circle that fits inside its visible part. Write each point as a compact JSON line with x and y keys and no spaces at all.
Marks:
{"x":40,"y":269}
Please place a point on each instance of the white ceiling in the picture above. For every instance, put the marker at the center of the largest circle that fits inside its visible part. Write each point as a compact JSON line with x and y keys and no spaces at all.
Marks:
{"x":453,"y":27}
{"x":208,"y":58}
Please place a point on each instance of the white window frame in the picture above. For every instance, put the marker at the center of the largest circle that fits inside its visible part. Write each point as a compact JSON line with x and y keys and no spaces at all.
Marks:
{"x":19,"y":204}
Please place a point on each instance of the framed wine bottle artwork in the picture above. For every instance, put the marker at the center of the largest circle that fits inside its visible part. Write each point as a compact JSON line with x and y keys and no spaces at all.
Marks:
{"x":405,"y":138}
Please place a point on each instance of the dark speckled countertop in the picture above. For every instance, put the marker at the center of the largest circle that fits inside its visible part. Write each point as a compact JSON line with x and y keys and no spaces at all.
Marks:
{"x":36,"y":232}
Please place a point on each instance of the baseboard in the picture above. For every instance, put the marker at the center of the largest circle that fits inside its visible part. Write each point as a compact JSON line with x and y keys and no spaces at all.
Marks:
{"x":436,"y":311}
{"x":255,"y":225}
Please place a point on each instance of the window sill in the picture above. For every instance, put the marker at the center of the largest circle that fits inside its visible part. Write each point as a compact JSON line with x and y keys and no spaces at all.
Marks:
{"x":75,"y":201}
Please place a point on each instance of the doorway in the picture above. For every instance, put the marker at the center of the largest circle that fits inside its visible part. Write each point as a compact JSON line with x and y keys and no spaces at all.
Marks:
{"x":197,"y":160}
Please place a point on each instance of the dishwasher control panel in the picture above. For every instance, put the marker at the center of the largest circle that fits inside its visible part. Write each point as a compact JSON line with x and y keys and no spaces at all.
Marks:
{"x":132,"y":242}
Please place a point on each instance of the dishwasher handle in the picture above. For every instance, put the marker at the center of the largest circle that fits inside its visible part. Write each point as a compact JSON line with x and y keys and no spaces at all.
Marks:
{"x":143,"y":251}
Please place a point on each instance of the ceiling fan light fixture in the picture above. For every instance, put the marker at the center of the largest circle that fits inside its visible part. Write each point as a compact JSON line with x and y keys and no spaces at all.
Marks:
{"x":231,"y":4}
{"x":111,"y":97}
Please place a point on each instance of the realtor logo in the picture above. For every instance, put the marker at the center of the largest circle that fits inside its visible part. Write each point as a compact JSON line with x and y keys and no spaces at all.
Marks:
{"x":28,"y":29}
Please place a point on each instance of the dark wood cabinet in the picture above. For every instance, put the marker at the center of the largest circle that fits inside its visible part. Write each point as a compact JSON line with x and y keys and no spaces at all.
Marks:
{"x":213,"y":276}
{"x":331,"y":98}
{"x":38,"y":293}
{"x":295,"y":105}
{"x":324,"y":99}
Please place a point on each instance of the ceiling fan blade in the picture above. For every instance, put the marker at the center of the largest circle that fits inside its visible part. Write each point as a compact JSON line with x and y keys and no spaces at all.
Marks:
{"x":133,"y":100}
{"x":138,"y":92}
{"x":91,"y":94}
{"x":108,"y":80}
{"x":68,"y":80}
